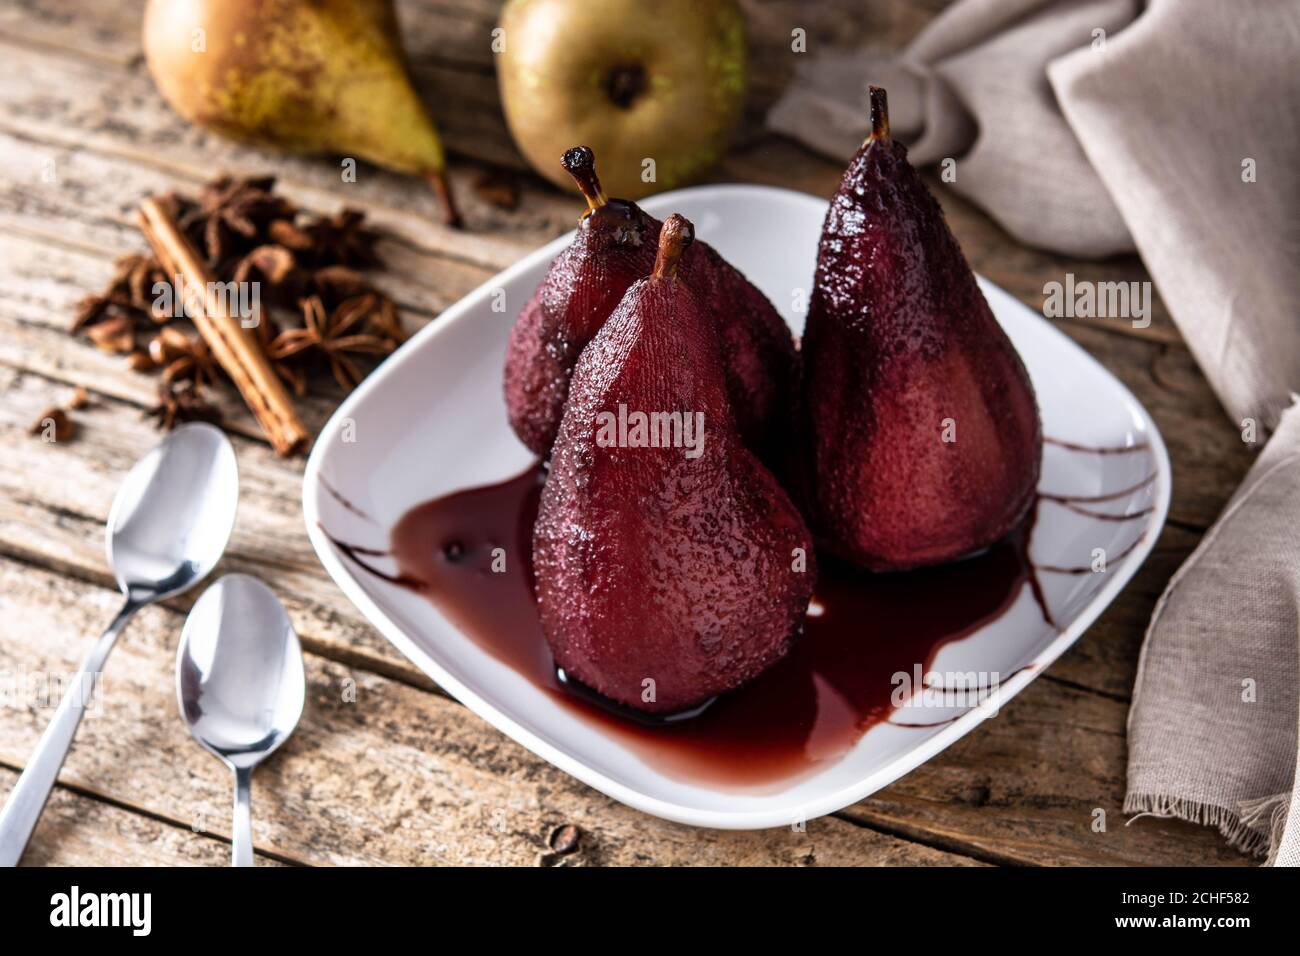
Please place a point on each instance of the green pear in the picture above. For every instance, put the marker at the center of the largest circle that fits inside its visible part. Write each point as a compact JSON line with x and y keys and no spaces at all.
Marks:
{"x":654,"y":87}
{"x":305,"y":76}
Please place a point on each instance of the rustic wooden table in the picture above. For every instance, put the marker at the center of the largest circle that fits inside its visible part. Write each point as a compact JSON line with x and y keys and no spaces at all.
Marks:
{"x":386,"y":768}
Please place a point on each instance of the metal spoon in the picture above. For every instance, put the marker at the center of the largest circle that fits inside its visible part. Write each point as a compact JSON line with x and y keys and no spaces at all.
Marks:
{"x":169,"y":525}
{"x":240,"y":685}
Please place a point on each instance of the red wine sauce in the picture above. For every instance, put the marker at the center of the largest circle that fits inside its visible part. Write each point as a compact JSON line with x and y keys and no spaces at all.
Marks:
{"x":809,"y":708}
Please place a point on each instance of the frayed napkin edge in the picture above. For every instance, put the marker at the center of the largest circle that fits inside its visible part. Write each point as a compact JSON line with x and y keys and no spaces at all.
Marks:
{"x":1256,"y":829}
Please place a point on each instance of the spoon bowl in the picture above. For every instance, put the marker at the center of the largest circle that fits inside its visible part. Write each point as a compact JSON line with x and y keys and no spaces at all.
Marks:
{"x":240,"y":683}
{"x":172,"y":517}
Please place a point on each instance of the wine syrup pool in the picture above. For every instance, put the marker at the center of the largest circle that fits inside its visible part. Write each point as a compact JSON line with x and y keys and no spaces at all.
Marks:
{"x":838,"y":682}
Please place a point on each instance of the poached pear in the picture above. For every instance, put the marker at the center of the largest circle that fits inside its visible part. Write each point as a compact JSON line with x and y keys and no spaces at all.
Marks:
{"x":920,"y":429}
{"x":615,"y":245}
{"x":670,"y":565}
{"x":304,"y":76}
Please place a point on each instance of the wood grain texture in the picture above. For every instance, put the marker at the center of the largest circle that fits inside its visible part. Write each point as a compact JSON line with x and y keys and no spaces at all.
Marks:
{"x":76,"y":830}
{"x":1029,"y":786}
{"x":402,"y":774}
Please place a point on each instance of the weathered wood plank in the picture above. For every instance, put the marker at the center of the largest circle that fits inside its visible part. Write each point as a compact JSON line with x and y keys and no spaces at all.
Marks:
{"x":104,"y":31}
{"x":76,"y":830}
{"x":93,"y":199}
{"x":377,"y":773}
{"x":76,"y":105}
{"x":1029,"y":784}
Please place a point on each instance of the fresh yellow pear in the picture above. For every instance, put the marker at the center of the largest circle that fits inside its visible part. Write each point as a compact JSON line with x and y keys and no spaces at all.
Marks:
{"x":655,"y":87}
{"x":306,"y":76}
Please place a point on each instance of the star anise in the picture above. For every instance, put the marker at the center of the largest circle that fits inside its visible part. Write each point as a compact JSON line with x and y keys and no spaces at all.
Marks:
{"x":332,"y":332}
{"x":304,"y":264}
{"x":129,"y":293}
{"x":336,"y":283}
{"x":341,"y":239}
{"x":181,"y":402}
{"x":143,"y":276}
{"x":286,"y":366}
{"x":183,"y":356}
{"x":233,"y":214}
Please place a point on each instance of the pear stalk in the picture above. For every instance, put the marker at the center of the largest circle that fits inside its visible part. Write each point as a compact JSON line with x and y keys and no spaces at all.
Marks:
{"x":580,"y":163}
{"x":446,"y":202}
{"x":677,"y":234}
{"x":879,"y":115}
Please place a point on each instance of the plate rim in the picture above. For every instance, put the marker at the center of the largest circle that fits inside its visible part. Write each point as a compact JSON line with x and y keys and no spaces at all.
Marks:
{"x":804,"y":810}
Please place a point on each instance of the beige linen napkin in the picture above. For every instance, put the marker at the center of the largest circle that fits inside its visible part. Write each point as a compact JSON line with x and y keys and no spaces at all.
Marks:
{"x":1091,"y":127}
{"x":1212,"y":730}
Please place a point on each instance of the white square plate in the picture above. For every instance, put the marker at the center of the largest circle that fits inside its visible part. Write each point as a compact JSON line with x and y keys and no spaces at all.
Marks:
{"x":431,"y":420}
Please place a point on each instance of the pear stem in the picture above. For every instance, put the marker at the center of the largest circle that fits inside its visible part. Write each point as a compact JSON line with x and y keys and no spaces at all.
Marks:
{"x":879,"y":114}
{"x":446,"y":202}
{"x":580,"y":163}
{"x":676,"y":235}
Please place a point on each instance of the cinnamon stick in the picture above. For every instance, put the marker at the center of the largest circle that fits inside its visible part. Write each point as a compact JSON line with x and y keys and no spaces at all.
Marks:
{"x":236,"y":347}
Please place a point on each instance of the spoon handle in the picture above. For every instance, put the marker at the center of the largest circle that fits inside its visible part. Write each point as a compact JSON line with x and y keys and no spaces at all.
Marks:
{"x":241,"y":830}
{"x":28,"y":798}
